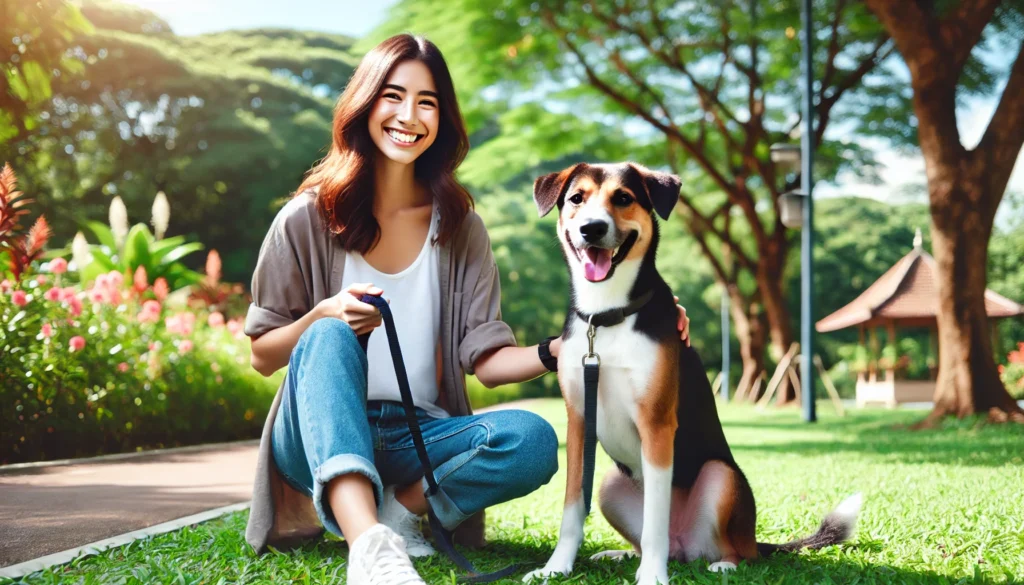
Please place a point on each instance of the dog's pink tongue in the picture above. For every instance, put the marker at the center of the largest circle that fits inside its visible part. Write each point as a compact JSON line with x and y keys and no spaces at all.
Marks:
{"x":596,"y":264}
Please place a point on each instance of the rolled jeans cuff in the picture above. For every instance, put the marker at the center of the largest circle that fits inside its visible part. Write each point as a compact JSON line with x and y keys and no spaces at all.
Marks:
{"x":335,"y":467}
{"x":444,"y":508}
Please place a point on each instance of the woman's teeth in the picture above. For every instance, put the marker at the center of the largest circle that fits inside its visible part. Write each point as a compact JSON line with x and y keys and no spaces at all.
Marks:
{"x":402,"y":136}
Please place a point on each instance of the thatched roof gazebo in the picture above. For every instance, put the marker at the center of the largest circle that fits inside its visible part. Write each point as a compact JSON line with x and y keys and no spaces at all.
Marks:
{"x":906,"y":295}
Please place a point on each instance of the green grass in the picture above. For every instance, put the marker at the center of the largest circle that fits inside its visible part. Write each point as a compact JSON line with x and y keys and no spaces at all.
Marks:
{"x":941,"y":507}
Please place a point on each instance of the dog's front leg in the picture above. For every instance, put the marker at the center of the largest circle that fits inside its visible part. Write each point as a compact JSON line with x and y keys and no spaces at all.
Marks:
{"x":657,"y":434}
{"x":573,"y":514}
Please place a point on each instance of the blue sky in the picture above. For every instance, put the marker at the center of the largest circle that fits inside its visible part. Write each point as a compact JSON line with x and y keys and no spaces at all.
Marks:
{"x":356,"y":18}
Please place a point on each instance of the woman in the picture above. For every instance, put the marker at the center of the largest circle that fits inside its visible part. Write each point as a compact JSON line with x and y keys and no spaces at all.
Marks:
{"x":382,"y":214}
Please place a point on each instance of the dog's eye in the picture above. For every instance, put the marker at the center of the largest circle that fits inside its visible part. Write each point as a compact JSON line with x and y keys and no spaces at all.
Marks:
{"x":621,"y":199}
{"x":576,"y":198}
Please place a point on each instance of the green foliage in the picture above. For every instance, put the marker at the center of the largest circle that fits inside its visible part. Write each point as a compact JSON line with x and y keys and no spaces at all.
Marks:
{"x":112,"y":369}
{"x":158,"y":258}
{"x":227,"y":122}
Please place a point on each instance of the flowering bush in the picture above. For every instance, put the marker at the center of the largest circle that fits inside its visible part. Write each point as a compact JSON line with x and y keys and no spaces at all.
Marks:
{"x":116,"y":363}
{"x":1012,"y":373}
{"x":113,"y":368}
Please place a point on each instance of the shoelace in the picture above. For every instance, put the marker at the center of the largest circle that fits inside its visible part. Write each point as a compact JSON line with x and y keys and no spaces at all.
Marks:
{"x":411,"y":533}
{"x":391,"y":565}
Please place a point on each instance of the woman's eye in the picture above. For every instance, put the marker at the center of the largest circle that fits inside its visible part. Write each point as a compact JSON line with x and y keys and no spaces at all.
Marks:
{"x":393,"y":96}
{"x":622,"y":199}
{"x":428,"y":103}
{"x":576,"y":198}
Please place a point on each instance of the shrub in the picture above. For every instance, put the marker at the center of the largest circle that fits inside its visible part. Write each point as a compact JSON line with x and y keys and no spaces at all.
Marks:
{"x":1012,"y":373}
{"x":113,"y":368}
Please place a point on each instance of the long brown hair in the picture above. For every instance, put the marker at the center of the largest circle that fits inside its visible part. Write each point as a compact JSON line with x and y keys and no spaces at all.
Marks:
{"x":345,"y":175}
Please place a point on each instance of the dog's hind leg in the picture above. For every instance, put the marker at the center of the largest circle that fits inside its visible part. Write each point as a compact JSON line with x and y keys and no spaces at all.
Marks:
{"x":717,"y":523}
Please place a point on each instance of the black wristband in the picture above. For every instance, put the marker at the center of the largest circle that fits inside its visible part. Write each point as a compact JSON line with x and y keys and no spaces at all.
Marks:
{"x":550,"y":362}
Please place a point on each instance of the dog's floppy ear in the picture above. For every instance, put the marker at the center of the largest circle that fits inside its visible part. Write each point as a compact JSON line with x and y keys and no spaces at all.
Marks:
{"x":663,"y":189}
{"x":550,"y":188}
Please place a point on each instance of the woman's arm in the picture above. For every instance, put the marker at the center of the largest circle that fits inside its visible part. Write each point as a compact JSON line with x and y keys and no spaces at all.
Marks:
{"x":271,"y":351}
{"x":509,"y":365}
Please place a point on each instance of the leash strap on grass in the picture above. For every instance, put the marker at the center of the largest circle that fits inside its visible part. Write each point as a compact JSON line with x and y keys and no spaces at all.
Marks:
{"x":443,"y":536}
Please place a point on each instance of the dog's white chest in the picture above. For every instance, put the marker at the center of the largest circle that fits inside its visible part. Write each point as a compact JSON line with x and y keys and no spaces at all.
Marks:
{"x":627,"y":362}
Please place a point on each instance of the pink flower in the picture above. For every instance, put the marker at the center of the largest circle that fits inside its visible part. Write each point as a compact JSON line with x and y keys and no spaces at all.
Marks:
{"x":122,"y":367}
{"x":102,"y":281}
{"x":115,"y":279}
{"x":76,"y":307}
{"x":160,"y":288}
{"x":58,"y":266}
{"x":234,"y":326}
{"x":185,"y":346}
{"x":53,"y":294}
{"x":97,"y":295}
{"x":19,"y":298}
{"x":68,"y":293}
{"x":216,"y":319}
{"x":5,"y":285}
{"x":140,"y":282}
{"x":47,"y":330}
{"x":77,"y":343}
{"x":150,"y":312}
{"x":41,"y":279}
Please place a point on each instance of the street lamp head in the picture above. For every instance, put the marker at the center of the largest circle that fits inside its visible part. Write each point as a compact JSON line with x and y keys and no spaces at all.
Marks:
{"x":786,"y":156}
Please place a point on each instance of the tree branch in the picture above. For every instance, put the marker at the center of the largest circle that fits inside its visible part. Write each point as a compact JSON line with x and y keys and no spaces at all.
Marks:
{"x":1004,"y":137}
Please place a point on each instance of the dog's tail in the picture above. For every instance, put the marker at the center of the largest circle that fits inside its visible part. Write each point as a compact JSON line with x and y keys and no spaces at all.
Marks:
{"x":835,"y":528}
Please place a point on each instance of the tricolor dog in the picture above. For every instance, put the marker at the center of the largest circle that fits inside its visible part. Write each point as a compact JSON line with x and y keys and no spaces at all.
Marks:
{"x":677,"y":492}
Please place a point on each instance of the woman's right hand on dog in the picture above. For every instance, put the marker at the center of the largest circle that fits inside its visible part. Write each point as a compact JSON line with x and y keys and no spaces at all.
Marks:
{"x":360,"y":316}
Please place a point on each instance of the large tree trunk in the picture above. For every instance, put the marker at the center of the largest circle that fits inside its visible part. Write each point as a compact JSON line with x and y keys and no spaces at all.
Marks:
{"x":968,"y":382}
{"x":779,"y":326}
{"x":750,"y":332}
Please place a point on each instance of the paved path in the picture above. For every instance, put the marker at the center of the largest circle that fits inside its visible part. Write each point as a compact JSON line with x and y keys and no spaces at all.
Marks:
{"x":52,"y":508}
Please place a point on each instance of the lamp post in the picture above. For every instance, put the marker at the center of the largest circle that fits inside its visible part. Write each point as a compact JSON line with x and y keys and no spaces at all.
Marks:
{"x":797,"y":210}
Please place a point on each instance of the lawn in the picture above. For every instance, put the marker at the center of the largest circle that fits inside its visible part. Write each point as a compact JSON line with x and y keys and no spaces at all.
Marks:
{"x":940,"y":506}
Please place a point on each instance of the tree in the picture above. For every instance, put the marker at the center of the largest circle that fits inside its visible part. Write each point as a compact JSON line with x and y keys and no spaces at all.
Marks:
{"x":940,"y":42}
{"x":34,"y":42}
{"x":226,"y":124}
{"x":706,"y":88}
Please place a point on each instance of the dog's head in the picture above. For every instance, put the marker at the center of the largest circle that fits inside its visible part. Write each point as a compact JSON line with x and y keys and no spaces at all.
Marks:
{"x":606,"y":212}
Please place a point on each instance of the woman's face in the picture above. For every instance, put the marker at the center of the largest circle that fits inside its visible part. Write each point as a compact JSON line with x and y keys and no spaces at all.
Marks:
{"x":404,"y":119}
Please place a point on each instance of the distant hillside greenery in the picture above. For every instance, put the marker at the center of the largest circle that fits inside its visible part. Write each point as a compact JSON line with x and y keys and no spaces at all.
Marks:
{"x":225,"y":124}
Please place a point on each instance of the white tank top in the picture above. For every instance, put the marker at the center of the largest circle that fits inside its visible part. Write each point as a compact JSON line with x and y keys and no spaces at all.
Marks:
{"x":415,"y":295}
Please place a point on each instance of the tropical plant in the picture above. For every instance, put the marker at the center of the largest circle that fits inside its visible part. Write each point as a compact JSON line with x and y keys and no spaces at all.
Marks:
{"x":21,"y":248}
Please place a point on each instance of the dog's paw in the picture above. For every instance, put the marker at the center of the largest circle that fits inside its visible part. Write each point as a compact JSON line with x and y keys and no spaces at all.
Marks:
{"x":541,"y":575}
{"x":721,"y":567}
{"x":615,"y":555}
{"x":650,"y":573}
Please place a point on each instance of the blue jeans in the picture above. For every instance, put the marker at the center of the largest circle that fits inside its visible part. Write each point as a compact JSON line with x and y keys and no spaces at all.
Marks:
{"x":325,"y":429}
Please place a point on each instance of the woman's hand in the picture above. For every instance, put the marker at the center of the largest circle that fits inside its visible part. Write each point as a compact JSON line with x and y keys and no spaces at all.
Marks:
{"x":360,"y":316}
{"x":684,"y":323}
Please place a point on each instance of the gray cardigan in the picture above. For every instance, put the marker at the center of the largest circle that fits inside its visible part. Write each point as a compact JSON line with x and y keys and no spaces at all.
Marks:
{"x":299,"y":265}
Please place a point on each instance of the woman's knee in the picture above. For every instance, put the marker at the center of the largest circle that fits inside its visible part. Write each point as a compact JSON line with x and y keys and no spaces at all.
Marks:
{"x":533,"y":446}
{"x":331,"y":338}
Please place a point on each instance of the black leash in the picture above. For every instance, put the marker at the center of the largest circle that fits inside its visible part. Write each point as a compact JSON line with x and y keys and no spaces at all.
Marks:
{"x":591,"y":371}
{"x":443,"y":536}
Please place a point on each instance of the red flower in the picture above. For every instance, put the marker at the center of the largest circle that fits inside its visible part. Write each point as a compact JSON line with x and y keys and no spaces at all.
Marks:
{"x":140,"y":282}
{"x":47,"y":330}
{"x":122,"y":367}
{"x":77,"y":343}
{"x":160,"y":288}
{"x":58,"y":266}
{"x":19,"y":298}
{"x":53,"y":294}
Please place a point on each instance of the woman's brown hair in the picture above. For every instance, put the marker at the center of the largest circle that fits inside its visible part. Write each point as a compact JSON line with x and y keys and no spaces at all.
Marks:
{"x":345,"y":175}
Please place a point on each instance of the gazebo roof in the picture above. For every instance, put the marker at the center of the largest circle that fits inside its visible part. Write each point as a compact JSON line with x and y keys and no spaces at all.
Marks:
{"x":906,"y":294}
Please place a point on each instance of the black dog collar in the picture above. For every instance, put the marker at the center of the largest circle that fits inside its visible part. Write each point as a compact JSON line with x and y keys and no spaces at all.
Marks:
{"x":616,"y":316}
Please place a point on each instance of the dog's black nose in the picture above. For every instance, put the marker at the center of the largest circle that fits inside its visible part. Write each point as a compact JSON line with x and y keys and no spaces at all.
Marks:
{"x":593,"y":231}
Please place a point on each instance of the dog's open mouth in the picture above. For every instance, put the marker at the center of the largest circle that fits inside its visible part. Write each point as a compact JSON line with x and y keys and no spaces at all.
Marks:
{"x":598,"y":263}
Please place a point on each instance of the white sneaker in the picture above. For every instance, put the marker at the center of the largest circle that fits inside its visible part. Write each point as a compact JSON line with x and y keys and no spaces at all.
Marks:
{"x":378,"y":557}
{"x":406,"y":524}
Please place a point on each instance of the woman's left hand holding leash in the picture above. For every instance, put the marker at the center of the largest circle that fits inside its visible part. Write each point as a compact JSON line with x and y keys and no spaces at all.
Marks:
{"x":684,"y":323}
